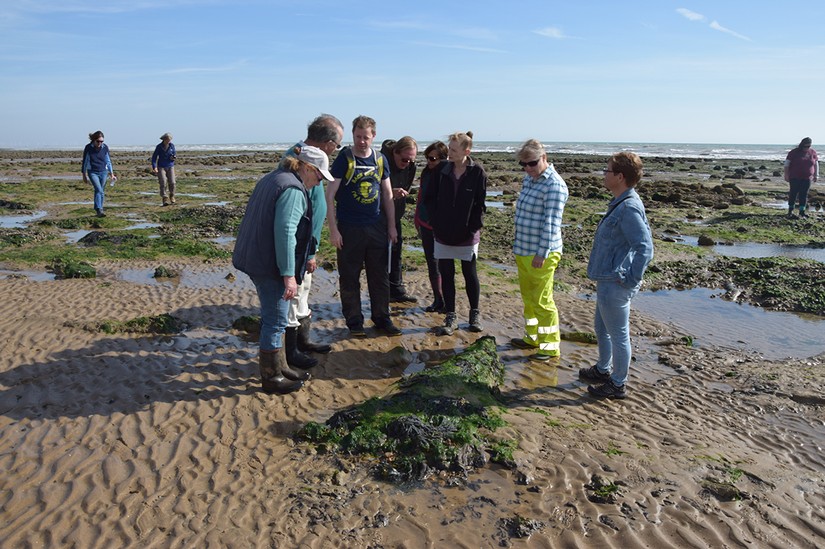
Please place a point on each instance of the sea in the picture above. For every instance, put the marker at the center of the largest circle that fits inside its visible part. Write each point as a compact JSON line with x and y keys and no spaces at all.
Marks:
{"x":712,"y":151}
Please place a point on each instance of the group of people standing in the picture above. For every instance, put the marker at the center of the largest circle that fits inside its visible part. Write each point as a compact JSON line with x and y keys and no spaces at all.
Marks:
{"x":364,"y":201}
{"x":363,"y":204}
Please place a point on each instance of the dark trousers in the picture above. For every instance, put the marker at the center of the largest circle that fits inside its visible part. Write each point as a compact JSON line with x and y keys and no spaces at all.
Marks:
{"x":428,"y":243}
{"x":396,"y":279}
{"x":468,"y":269}
{"x":799,"y":190}
{"x":365,"y":248}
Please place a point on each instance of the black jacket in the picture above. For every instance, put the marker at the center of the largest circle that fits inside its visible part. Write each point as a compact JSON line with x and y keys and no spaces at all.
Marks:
{"x":456,"y":215}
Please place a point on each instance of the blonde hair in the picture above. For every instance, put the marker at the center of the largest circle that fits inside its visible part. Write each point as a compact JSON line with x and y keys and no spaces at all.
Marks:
{"x":464,"y":139}
{"x":532,"y":148}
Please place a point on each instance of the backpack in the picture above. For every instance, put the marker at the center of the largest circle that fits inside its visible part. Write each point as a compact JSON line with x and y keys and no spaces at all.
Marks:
{"x":379,"y":165}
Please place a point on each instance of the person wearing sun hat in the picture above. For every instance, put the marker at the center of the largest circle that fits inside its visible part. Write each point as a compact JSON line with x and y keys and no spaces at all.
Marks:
{"x":274,"y":241}
{"x":163,"y":165}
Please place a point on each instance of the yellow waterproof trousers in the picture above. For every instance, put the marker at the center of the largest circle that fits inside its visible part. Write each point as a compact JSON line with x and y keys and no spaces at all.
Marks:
{"x":541,"y":317}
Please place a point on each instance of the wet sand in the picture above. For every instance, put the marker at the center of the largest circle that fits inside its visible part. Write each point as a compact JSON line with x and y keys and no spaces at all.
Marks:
{"x":147,"y":441}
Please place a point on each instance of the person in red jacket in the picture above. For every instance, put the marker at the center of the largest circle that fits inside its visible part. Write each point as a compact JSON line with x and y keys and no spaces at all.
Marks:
{"x":801,"y":169}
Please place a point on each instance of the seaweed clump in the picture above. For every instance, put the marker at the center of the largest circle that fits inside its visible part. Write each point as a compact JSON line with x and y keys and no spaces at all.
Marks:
{"x":71,"y":268}
{"x":162,"y":324}
{"x":438,"y":421}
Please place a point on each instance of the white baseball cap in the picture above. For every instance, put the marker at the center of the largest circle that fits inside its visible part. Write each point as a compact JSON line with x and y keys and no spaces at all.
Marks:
{"x":318,"y":158}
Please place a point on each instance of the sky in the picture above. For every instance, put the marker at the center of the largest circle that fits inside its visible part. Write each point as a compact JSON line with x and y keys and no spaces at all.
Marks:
{"x":258,"y":71}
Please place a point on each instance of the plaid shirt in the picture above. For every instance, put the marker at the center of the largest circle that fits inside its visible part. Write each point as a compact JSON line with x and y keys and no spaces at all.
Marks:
{"x":539,"y":211}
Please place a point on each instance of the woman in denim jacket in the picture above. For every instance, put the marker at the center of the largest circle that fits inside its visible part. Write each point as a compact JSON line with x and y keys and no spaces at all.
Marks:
{"x":622,"y":250}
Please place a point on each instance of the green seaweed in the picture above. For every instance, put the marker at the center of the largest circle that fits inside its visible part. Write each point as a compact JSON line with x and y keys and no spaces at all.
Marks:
{"x":442,"y":418}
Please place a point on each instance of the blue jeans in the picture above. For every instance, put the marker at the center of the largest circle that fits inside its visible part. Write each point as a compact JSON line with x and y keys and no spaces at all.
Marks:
{"x":274,"y":311}
{"x":612,"y":326}
{"x":98,"y":180}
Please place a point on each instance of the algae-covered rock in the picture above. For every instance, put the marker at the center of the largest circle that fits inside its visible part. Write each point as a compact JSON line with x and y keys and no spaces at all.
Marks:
{"x":71,"y":268}
{"x":440,"y":419}
{"x":250,"y":324}
{"x":165,"y":272}
{"x":163,"y":324}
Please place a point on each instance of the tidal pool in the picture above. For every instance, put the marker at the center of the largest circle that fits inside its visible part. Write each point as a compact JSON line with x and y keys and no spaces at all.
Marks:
{"x":711,"y":320}
{"x":747,"y":250}
{"x":19,"y":221}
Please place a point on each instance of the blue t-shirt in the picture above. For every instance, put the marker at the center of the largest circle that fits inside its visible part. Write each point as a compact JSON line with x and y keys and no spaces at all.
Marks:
{"x":358,"y":202}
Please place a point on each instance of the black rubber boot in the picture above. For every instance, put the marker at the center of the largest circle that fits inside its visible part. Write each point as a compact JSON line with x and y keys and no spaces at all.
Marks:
{"x":304,"y":344}
{"x":294,"y":357}
{"x":272,"y":379}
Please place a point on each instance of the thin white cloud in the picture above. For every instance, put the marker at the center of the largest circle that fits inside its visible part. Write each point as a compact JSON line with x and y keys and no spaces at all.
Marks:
{"x":184,"y":70}
{"x":690,"y":15}
{"x":693,"y":16}
{"x":551,"y":32}
{"x":716,"y":26}
{"x":460,"y":47}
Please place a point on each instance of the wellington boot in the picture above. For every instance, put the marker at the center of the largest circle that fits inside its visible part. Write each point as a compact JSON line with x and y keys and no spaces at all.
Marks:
{"x":272,"y":379}
{"x":294,"y":357}
{"x":304,"y":344}
{"x":295,"y":375}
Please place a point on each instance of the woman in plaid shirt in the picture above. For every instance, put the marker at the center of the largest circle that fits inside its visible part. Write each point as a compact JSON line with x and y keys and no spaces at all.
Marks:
{"x":538,"y":248}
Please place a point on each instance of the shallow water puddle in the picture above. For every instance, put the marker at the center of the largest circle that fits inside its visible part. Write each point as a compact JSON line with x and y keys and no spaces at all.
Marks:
{"x":75,"y":236}
{"x":713,"y":321}
{"x":36,"y":276}
{"x":746,"y":250}
{"x":19,"y":221}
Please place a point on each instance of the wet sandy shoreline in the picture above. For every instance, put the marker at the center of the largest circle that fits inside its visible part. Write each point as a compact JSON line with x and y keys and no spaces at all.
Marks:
{"x":147,"y":441}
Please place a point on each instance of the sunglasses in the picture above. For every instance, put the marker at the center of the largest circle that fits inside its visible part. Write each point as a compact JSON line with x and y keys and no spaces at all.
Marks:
{"x":337,"y":144}
{"x":433,"y":158}
{"x":532,"y":163}
{"x":99,"y":140}
{"x":406,"y":160}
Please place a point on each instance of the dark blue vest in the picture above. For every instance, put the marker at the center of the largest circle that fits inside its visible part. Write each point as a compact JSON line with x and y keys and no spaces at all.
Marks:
{"x":254,"y":252}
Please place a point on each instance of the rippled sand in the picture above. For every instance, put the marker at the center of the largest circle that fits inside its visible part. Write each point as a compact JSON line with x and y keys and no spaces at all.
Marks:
{"x":128,"y":440}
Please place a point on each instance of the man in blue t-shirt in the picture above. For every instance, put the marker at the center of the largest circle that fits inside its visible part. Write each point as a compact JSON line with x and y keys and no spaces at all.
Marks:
{"x":356,"y":198}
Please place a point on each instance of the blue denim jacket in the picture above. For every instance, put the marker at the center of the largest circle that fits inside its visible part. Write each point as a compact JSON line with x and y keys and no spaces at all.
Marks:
{"x":623,"y":245}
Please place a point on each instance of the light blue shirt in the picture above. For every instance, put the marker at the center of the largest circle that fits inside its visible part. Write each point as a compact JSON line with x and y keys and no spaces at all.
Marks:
{"x":539,"y":211}
{"x":289,"y":209}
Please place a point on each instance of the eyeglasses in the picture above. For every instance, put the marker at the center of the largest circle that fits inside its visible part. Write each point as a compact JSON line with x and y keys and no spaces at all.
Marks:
{"x":532,"y":163}
{"x":337,"y":144}
{"x":434,"y":158}
{"x":606,"y":171}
